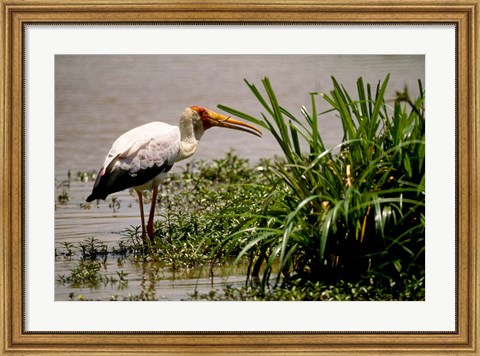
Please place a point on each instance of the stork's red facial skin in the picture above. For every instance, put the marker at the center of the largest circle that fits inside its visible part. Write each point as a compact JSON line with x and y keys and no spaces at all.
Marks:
{"x":204,"y":116}
{"x":198,"y":109}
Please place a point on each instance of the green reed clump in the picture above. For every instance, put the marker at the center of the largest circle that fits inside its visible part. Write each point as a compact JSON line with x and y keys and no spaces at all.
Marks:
{"x":340,"y":213}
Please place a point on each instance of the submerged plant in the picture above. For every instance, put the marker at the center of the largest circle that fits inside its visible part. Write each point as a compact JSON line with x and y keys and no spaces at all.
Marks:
{"x":63,"y":197}
{"x":344,"y":212}
{"x":114,"y":204}
{"x":91,"y":248}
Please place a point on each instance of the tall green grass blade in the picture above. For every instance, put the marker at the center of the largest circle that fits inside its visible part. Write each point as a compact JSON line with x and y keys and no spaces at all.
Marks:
{"x":259,"y":97}
{"x":379,"y":102}
{"x":295,"y":141}
{"x":362,"y":98}
{"x":243,"y":116}
{"x":317,"y":145}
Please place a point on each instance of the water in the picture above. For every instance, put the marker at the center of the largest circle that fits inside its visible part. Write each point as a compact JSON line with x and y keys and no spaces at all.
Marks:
{"x":97,"y":98}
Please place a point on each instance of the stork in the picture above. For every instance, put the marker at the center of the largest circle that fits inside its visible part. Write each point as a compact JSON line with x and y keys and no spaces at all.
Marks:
{"x":141,"y":157}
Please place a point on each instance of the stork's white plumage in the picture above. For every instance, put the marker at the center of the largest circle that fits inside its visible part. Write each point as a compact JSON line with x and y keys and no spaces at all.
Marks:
{"x":141,"y":157}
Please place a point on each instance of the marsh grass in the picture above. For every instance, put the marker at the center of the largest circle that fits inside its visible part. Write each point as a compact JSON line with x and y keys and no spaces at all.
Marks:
{"x":199,"y":206}
{"x":343,"y":213}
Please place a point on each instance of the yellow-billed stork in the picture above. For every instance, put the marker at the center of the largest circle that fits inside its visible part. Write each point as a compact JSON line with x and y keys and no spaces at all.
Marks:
{"x":141,"y":157}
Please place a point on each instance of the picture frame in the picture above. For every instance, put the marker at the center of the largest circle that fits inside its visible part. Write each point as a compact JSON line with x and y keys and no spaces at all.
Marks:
{"x":15,"y":14}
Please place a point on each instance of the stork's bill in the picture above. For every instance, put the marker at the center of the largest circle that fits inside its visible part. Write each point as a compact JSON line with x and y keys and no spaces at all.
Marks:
{"x":211,"y":118}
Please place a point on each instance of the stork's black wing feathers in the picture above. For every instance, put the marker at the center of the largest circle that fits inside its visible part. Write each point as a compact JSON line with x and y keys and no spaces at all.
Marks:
{"x":119,"y":179}
{"x":136,"y":157}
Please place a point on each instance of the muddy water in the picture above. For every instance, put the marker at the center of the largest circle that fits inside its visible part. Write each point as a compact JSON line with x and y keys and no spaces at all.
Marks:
{"x":97,"y":98}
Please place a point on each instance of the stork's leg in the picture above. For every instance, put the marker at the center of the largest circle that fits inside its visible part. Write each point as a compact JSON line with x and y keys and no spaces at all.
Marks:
{"x":150,"y":231}
{"x":140,"y":202}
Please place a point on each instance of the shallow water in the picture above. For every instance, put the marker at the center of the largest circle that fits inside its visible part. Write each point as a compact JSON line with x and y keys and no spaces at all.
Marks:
{"x":97,"y":98}
{"x":75,"y":222}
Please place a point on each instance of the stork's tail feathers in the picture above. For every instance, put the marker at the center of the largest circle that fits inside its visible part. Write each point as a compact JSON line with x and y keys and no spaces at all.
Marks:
{"x":98,"y":192}
{"x":92,"y":197}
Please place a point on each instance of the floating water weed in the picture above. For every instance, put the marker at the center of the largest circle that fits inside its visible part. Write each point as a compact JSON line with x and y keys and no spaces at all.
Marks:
{"x":88,"y":274}
{"x":86,"y":206}
{"x":91,"y":248}
{"x":85,"y":176}
{"x":69,"y":247}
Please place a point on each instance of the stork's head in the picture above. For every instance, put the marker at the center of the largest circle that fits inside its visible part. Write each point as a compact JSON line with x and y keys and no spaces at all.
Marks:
{"x":203,"y":119}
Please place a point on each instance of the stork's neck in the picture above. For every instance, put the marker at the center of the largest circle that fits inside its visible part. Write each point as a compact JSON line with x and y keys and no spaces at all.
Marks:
{"x":187,"y":148}
{"x":189,"y":136}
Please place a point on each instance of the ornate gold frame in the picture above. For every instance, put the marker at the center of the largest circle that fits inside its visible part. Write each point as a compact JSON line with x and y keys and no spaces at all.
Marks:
{"x":464,"y":14}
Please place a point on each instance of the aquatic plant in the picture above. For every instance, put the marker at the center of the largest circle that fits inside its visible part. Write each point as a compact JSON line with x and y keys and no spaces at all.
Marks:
{"x":63,"y":197}
{"x":341,"y":213}
{"x":88,"y":273}
{"x":84,"y":176}
{"x":406,"y":288}
{"x":114,"y":204}
{"x":91,"y":248}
